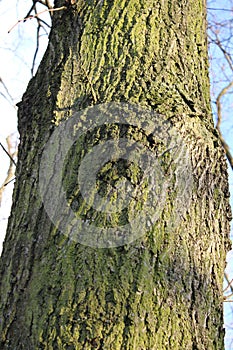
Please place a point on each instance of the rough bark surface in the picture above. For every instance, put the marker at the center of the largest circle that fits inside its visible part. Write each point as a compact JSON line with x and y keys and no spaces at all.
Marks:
{"x":163,"y":291}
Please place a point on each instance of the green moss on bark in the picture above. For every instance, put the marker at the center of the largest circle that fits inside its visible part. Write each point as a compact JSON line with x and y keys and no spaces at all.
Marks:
{"x":163,"y":291}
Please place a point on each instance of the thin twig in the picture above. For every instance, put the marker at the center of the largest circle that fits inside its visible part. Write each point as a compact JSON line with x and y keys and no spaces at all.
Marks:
{"x":229,"y":283}
{"x":36,"y":16}
{"x":39,"y":26}
{"x":8,"y":154}
{"x":217,"y":41}
{"x":9,"y":182}
{"x":32,"y":8}
{"x":8,"y":94}
{"x":219,"y":120}
{"x":218,"y":9}
{"x":37,"y":48}
{"x":10,"y":172}
{"x":218,"y":102}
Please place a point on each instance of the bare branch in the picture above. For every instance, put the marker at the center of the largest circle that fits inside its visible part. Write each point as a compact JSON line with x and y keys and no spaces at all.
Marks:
{"x":219,"y":120}
{"x":31,"y":9}
{"x":227,"y":56}
{"x":228,"y":283}
{"x":39,"y":27}
{"x":218,"y":9}
{"x":220,"y":35}
{"x":36,"y":15}
{"x":10,"y":172}
{"x":8,"y":152}
{"x":227,"y":298}
{"x":8,"y":94}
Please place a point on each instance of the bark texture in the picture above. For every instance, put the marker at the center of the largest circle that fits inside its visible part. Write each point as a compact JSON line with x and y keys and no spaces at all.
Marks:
{"x":163,"y":291}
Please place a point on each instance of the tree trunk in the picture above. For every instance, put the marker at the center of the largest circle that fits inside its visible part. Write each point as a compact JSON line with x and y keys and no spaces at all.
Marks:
{"x":161,"y":287}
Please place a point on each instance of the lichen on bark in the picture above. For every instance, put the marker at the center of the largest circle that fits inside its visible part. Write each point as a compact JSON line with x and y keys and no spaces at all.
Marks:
{"x":162,"y":291}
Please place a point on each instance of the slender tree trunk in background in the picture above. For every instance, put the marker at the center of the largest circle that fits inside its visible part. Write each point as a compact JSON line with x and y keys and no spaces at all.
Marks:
{"x":163,"y":290}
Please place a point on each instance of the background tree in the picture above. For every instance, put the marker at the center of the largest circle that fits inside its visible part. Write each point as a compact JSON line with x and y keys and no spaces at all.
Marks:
{"x":220,"y":40}
{"x":164,"y":289}
{"x":221,"y":75}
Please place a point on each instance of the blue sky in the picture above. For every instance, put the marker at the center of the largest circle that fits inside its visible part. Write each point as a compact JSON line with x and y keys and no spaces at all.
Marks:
{"x":221,"y":75}
{"x":16,"y":51}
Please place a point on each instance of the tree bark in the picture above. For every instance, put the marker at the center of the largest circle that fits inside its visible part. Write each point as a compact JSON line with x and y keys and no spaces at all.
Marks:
{"x":164,"y":289}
